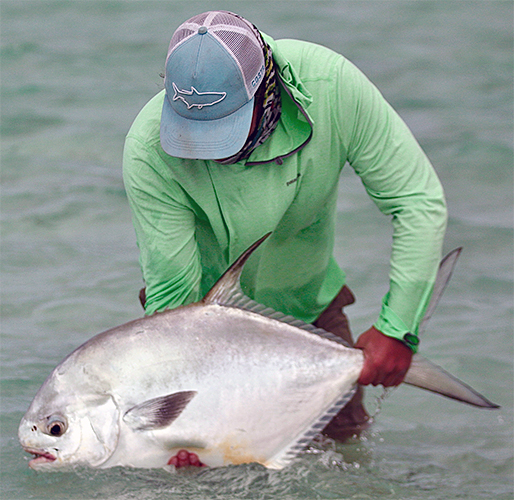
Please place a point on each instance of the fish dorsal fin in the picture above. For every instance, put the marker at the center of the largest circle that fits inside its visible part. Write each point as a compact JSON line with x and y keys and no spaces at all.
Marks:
{"x":443,"y":277}
{"x":228,"y":292}
{"x":240,"y":301}
{"x":229,"y":283}
{"x":158,"y":413}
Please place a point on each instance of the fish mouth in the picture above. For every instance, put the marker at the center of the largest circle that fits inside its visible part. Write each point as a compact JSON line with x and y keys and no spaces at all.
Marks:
{"x":41,"y":458}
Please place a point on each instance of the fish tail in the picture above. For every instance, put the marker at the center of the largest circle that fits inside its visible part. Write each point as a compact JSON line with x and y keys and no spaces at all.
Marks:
{"x":426,"y":375}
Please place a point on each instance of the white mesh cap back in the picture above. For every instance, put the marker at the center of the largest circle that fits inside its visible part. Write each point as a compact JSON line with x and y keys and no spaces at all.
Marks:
{"x":238,"y":37}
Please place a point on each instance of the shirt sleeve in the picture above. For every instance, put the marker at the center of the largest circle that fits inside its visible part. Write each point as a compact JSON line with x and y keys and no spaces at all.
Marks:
{"x":401,"y":181}
{"x":165,"y":229}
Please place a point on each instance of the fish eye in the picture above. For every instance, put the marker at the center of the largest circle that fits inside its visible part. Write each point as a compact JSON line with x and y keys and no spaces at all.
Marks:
{"x":56,"y":425}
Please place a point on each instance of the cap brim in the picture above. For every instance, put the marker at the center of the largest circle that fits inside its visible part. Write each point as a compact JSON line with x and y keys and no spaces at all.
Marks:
{"x":204,"y":139}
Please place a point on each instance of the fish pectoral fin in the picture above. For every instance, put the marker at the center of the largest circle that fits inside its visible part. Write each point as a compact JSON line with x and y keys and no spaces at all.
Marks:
{"x":158,"y":413}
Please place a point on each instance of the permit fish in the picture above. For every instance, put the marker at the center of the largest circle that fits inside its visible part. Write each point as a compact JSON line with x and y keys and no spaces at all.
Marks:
{"x":227,"y":378}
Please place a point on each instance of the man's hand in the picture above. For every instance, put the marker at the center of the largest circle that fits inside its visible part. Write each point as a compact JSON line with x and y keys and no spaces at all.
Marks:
{"x":386,"y":360}
{"x":185,"y":459}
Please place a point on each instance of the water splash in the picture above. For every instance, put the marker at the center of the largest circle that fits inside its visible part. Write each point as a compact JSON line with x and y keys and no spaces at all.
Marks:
{"x":378,"y":402}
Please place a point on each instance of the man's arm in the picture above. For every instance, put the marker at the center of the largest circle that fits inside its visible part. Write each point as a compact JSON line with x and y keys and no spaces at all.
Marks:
{"x":400,"y":180}
{"x":165,"y":229}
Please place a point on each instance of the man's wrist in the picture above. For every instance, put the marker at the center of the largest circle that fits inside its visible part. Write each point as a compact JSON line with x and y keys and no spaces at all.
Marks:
{"x":402,"y":334}
{"x":411,"y":341}
{"x":391,"y":325}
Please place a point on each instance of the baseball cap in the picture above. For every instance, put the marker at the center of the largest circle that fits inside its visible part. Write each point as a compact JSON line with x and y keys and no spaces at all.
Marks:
{"x":214,"y":66}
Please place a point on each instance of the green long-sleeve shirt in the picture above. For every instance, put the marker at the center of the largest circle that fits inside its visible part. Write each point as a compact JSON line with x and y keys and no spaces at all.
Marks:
{"x":194,"y":217}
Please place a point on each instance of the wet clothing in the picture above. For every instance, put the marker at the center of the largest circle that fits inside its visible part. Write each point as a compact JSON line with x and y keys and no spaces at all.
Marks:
{"x":194,"y":217}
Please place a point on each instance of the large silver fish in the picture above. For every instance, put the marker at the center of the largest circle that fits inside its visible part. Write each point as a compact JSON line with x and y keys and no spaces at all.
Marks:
{"x":225,"y":378}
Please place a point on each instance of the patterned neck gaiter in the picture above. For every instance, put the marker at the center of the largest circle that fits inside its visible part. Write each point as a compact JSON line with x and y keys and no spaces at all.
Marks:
{"x":268,"y":106}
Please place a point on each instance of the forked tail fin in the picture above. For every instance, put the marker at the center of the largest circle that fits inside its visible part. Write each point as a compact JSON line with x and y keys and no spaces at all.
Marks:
{"x":426,"y":375}
{"x":443,"y":277}
{"x":422,"y":373}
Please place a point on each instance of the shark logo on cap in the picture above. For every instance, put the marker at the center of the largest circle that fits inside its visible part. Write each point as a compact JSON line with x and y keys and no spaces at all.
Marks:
{"x":194,"y":99}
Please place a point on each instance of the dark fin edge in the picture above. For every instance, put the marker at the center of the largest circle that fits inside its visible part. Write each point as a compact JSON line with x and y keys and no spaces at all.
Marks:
{"x":241,"y":301}
{"x":227,"y":292}
{"x":431,"y":377}
{"x":444,"y":274}
{"x":158,"y":413}
{"x":291,"y":452}
{"x":229,"y":283}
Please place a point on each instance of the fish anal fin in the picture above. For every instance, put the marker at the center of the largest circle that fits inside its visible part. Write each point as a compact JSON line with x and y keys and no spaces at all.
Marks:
{"x":298,"y":445}
{"x":158,"y":413}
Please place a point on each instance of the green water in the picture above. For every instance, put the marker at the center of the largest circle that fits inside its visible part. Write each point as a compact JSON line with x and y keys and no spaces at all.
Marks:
{"x":75,"y":73}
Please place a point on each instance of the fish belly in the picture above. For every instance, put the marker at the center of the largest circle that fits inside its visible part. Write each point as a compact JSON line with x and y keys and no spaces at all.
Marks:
{"x":261,"y":384}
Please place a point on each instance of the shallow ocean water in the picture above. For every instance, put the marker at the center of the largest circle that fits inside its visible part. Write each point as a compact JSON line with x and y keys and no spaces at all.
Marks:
{"x":74,"y":75}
